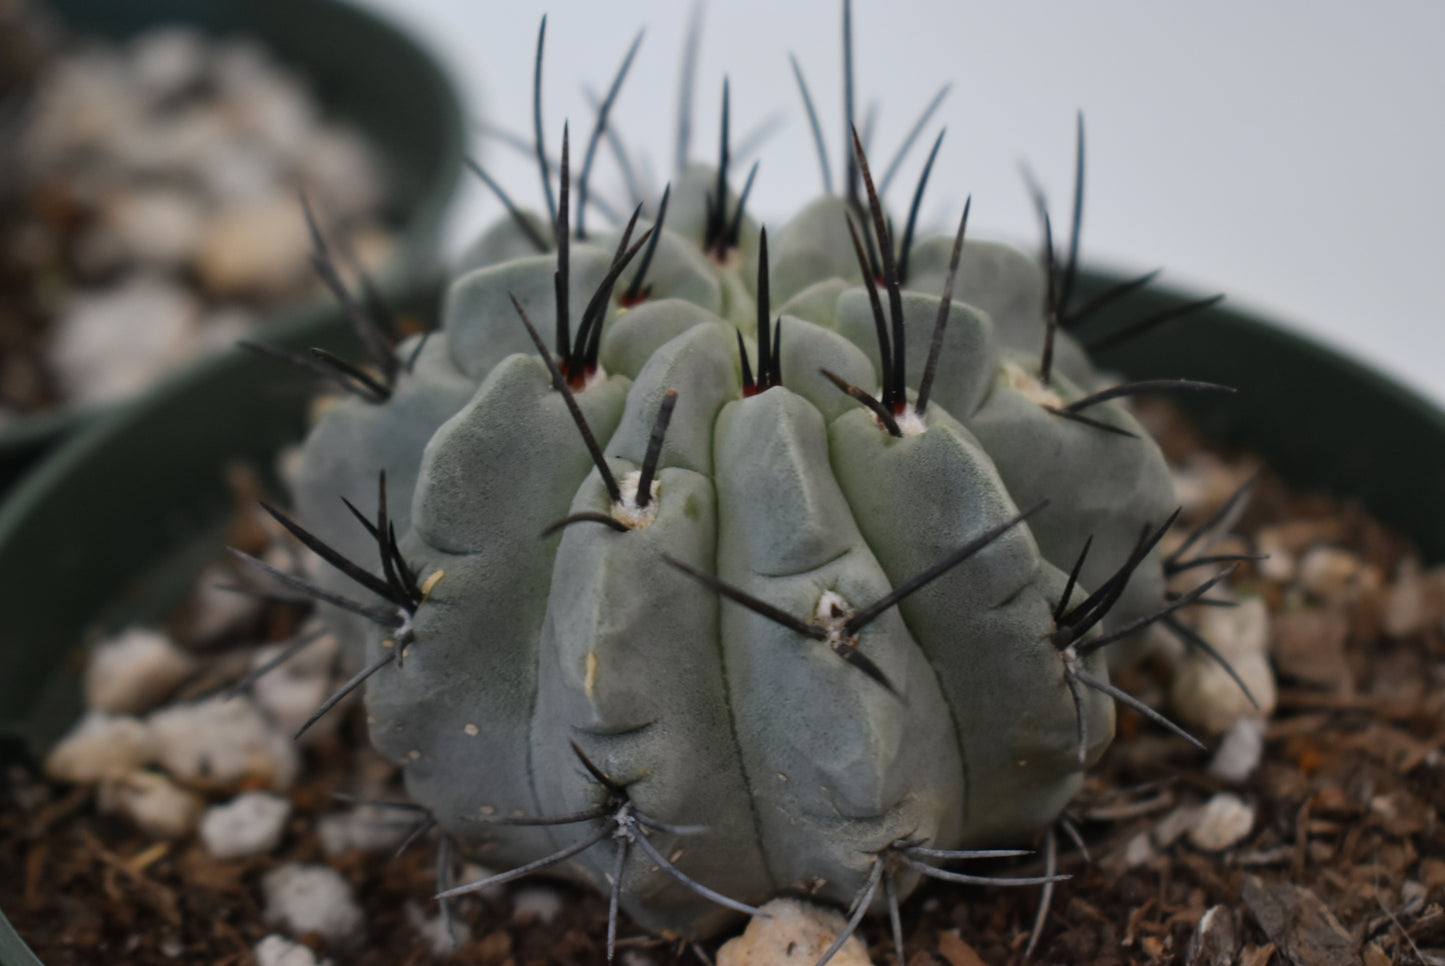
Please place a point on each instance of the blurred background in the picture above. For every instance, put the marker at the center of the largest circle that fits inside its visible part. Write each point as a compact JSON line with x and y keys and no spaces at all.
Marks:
{"x":1289,"y":154}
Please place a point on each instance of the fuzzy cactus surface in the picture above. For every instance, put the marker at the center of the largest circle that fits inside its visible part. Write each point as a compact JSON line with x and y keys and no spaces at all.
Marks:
{"x":718,"y":562}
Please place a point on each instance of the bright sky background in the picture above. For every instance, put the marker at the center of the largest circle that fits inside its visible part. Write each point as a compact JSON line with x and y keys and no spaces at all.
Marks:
{"x":1289,"y":153}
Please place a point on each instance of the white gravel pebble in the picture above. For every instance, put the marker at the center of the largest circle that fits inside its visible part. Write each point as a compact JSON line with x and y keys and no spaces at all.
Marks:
{"x":223,"y":743}
{"x":249,"y":824}
{"x":277,"y":950}
{"x":1240,"y":751}
{"x":471,"y":872}
{"x":112,"y":343}
{"x":157,"y":226}
{"x":1329,"y":572}
{"x":134,"y":671}
{"x":255,"y":249}
{"x":167,"y":60}
{"x":1204,"y":694}
{"x":364,"y":829}
{"x":213,"y":611}
{"x":101,"y":745}
{"x":536,"y":903}
{"x":1224,"y":821}
{"x":156,"y":805}
{"x":1168,"y":829}
{"x":796,"y":933}
{"x":290,"y":693}
{"x":434,"y":931}
{"x":1139,"y":851}
{"x":312,"y":898}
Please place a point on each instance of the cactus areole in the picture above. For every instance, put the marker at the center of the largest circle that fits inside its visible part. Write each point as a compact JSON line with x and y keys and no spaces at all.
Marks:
{"x":711,"y":563}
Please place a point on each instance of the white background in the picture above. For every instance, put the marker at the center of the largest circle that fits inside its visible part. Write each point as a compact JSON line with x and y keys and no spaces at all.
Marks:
{"x":1288,"y":153}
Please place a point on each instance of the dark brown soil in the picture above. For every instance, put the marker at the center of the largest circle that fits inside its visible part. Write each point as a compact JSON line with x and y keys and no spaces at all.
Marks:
{"x":1345,"y":862}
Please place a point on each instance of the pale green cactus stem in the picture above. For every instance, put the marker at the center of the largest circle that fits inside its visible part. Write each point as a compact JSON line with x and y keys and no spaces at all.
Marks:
{"x":662,"y":609}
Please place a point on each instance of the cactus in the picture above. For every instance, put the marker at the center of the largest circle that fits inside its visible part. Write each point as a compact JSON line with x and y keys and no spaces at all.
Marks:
{"x":772,"y":569}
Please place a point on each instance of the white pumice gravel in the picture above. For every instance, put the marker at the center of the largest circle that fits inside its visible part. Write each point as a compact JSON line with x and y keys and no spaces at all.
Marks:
{"x":472,"y":872}
{"x":1204,"y":695}
{"x":135,"y":670}
{"x":111,"y":343}
{"x":277,"y":950}
{"x":796,"y":933}
{"x":536,"y":903}
{"x":1221,"y":822}
{"x":290,"y":693}
{"x":441,"y":934}
{"x":1239,"y":751}
{"x":1329,"y":573}
{"x":223,"y":743}
{"x":214,"y":611}
{"x":178,"y":158}
{"x":100,"y":745}
{"x":365,"y":828}
{"x":312,"y":899}
{"x":255,"y":249}
{"x":154,"y":804}
{"x":250,"y":824}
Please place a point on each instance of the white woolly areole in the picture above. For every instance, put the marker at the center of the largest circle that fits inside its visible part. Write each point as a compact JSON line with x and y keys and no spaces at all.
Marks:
{"x":592,"y":378}
{"x":1017,"y":377}
{"x":910,"y":423}
{"x":627,"y":510}
{"x":831,"y":614}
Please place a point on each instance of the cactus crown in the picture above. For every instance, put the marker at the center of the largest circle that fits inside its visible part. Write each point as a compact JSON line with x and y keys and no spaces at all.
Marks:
{"x":728,"y":591}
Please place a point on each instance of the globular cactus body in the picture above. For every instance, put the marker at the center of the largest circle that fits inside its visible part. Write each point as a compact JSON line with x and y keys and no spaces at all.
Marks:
{"x":805,"y":645}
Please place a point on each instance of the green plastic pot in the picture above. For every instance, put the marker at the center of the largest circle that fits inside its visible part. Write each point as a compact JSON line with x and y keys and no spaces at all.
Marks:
{"x":113,"y":526}
{"x":362,"y":69}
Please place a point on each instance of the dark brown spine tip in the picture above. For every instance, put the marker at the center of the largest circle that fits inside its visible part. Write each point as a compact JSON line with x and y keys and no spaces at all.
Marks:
{"x":563,"y":278}
{"x":1143,"y":386}
{"x":1136,"y":329}
{"x":851,"y":176}
{"x":636,"y":293}
{"x":599,"y":127}
{"x":713,"y":237}
{"x":906,"y":248}
{"x":597,"y":315}
{"x":515,"y":213}
{"x":538,"y":143}
{"x":735,"y":230}
{"x":911,"y":138}
{"x":1108,"y":297}
{"x":602,"y":777}
{"x":739,"y":596}
{"x":885,"y":416}
{"x":582,"y":365}
{"x":1051,"y":303}
{"x":1071,"y":269}
{"x":945,"y":304}
{"x":894,"y":393}
{"x":586,"y":516}
{"x":870,"y":613}
{"x":1073,"y":580}
{"x":813,"y":123}
{"x":356,"y":681}
{"x":764,"y":311}
{"x":368,"y":332}
{"x":654,"y":449}
{"x":750,"y":388}
{"x":775,"y":376}
{"x":560,"y":384}
{"x":880,"y":327}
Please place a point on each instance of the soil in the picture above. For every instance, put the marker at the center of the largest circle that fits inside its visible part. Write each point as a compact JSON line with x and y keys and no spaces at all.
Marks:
{"x":1344,"y":861}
